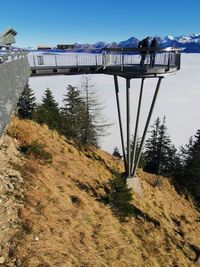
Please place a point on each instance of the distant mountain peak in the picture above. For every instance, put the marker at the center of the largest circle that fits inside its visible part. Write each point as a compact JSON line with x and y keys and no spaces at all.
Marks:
{"x":191,"y":43}
{"x":169,"y":37}
{"x":195,"y":35}
{"x":131,"y":42}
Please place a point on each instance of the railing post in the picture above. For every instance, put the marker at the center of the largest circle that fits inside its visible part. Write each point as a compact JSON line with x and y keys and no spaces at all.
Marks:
{"x":122,"y":69}
{"x":104,"y":59}
{"x":96,"y":58}
{"x":169,"y":61}
{"x":34,"y":60}
{"x":56,"y":61}
{"x":76,"y":59}
{"x":178,"y":60}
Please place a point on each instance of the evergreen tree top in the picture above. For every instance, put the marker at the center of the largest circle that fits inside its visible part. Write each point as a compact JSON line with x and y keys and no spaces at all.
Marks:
{"x":48,"y":100}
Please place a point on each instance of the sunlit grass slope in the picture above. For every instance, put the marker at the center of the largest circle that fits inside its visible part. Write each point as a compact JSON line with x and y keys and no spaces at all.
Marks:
{"x":65,"y":224}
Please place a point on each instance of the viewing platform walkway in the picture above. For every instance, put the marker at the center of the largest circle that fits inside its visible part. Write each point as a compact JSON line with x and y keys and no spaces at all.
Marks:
{"x":17,"y":65}
{"x":125,"y":62}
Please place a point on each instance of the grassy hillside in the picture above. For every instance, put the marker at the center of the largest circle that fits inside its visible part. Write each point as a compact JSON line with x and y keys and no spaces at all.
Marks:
{"x":64,"y":224}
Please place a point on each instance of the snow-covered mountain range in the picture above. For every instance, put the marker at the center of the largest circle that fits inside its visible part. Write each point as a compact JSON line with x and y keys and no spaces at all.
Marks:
{"x":191,"y":43}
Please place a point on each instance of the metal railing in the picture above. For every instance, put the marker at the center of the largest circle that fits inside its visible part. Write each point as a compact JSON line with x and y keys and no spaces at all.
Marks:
{"x":14,"y":75}
{"x":67,"y":59}
{"x":167,"y":58}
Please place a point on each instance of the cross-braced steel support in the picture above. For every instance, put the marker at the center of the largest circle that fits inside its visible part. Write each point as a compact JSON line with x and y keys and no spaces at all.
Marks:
{"x":120,"y":121}
{"x":136,"y":126}
{"x":128,"y":127}
{"x":131,"y":160}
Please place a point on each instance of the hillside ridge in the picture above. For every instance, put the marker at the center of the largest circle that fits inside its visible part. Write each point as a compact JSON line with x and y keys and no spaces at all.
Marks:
{"x":61,"y":222}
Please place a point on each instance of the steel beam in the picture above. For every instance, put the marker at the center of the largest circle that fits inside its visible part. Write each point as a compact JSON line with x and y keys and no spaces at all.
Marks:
{"x":147,"y":125}
{"x":128,"y":126}
{"x":136,"y":126}
{"x":120,"y":121}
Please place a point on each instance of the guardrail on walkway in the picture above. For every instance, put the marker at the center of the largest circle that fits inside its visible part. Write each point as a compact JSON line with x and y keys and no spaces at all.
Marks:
{"x":14,"y":75}
{"x":168,"y":58}
{"x":64,"y":59}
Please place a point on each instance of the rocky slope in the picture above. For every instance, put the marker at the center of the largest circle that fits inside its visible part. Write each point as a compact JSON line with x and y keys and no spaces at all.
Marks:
{"x":58,"y":220}
{"x":11,"y":198}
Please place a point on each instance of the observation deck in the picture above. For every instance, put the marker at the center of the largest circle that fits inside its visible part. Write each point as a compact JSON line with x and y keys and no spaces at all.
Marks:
{"x":128,"y":63}
{"x":125,"y":62}
{"x":17,"y":65}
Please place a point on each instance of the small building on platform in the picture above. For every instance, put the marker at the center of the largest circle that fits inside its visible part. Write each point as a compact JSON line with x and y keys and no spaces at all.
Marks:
{"x":65,"y":46}
{"x":44,"y":47}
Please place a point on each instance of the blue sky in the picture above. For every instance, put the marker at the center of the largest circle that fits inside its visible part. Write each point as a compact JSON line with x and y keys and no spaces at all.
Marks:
{"x":63,"y":21}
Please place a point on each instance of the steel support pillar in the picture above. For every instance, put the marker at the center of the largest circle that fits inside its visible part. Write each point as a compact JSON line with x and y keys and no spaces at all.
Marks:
{"x":131,"y":160}
{"x":146,"y":126}
{"x":136,"y":126}
{"x":128,"y":127}
{"x":120,"y":121}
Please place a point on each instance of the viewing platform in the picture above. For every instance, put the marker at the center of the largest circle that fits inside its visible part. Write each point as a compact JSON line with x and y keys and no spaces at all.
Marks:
{"x":17,"y":65}
{"x":125,"y":62}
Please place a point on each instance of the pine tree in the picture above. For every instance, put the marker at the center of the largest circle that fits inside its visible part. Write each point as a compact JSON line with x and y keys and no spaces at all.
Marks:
{"x":94,"y":124}
{"x":116,"y":153}
{"x":174,"y":162}
{"x":48,"y":111}
{"x":81,"y":115}
{"x":119,"y":196}
{"x":165,"y":150}
{"x":73,"y":113}
{"x":151,"y":155}
{"x":27,"y":104}
{"x":160,"y":153}
{"x":191,"y":166}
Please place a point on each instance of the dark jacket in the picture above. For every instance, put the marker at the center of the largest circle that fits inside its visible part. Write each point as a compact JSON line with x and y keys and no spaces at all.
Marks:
{"x":154,"y":43}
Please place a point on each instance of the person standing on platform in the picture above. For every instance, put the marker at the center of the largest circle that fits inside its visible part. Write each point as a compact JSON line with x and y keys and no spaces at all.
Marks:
{"x":153,"y":46}
{"x":144,"y":44}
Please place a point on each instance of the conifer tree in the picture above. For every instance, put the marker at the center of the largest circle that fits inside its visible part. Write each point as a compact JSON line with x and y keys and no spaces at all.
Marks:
{"x":191,"y":166}
{"x":48,"y":111}
{"x":73,"y":113}
{"x":165,"y":150}
{"x":119,"y":196}
{"x":116,"y":153}
{"x":81,"y":115}
{"x":27,"y":104}
{"x":160,"y":153}
{"x":151,"y":155}
{"x":94,"y":124}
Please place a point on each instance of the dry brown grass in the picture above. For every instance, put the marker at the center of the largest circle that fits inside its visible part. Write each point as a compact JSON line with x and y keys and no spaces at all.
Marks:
{"x":65,"y":226}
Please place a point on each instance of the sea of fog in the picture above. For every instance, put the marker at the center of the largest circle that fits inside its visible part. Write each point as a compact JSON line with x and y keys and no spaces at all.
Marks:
{"x":178,"y":99}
